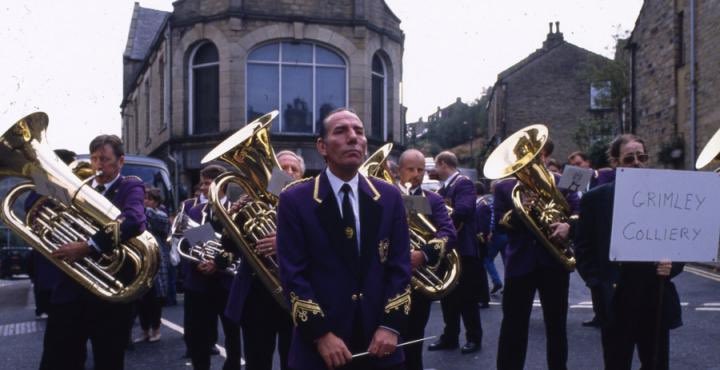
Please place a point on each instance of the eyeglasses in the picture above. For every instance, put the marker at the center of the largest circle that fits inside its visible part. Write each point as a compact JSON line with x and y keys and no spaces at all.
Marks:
{"x":630,"y":158}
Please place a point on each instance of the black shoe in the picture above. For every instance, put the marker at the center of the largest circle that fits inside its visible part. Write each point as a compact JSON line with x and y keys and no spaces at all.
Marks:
{"x":496,"y":288}
{"x":442,"y":345}
{"x":594,"y":323}
{"x":470,"y":347}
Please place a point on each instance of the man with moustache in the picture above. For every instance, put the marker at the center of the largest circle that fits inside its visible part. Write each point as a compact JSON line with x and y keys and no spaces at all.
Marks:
{"x":631,"y":303}
{"x":411,"y":170}
{"x":344,"y":258}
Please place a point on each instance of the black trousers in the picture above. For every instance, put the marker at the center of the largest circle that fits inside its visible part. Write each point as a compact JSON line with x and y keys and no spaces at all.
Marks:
{"x":419,"y":315}
{"x":202,"y":311}
{"x":552,"y":285}
{"x":70,"y":325}
{"x":263,"y":321}
{"x":632,"y":324}
{"x":463,"y":302}
{"x":150,"y":311}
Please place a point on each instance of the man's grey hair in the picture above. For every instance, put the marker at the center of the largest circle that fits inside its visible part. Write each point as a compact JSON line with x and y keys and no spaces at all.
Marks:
{"x":300,"y":160}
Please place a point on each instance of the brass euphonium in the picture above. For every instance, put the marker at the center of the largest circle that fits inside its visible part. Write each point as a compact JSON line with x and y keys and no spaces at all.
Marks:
{"x":433,"y":281}
{"x":252,"y":157}
{"x":710,"y":153}
{"x":72,"y":211}
{"x":519,"y":155}
{"x":206,"y":251}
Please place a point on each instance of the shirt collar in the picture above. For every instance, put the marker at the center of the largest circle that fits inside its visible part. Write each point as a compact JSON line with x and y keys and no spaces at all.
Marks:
{"x":336,"y":183}
{"x":107,"y":185}
{"x":450,"y":178}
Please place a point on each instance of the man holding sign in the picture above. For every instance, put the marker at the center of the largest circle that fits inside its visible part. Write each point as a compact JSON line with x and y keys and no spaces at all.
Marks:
{"x":640,"y":305}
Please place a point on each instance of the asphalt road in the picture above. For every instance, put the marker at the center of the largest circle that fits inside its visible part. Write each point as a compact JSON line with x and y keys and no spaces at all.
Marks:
{"x":693,"y":346}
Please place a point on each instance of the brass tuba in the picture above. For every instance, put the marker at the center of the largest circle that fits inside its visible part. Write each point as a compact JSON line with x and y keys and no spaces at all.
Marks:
{"x":519,"y":155}
{"x":252,"y":157}
{"x":70,"y":211}
{"x":710,"y":153}
{"x":433,"y":281}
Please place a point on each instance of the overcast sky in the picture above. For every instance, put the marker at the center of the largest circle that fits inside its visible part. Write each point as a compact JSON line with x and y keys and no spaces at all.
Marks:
{"x":64,"y":57}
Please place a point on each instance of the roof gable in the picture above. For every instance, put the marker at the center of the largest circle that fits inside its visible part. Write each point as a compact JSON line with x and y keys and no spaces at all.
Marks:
{"x":145,"y":26}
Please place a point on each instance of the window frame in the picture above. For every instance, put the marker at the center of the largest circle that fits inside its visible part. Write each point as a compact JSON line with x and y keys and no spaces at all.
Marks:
{"x":384,"y":98}
{"x":191,"y":83}
{"x":314,"y":64}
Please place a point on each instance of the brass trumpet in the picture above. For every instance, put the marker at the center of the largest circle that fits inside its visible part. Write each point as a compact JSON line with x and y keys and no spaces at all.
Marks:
{"x":71,"y":211}
{"x":536,"y":199}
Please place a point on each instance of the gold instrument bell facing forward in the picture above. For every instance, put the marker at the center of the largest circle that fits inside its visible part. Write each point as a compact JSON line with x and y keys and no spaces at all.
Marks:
{"x":536,"y":199}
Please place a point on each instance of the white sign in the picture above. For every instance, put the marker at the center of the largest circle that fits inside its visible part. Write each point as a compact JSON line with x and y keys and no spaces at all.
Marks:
{"x":665,"y":214}
{"x":575,"y":178}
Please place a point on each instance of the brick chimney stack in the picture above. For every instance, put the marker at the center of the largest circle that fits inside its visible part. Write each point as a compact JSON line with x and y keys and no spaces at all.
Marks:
{"x":553,"y":38}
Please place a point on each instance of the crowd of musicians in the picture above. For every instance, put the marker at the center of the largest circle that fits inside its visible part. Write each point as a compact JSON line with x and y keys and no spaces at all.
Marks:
{"x":342,"y":244}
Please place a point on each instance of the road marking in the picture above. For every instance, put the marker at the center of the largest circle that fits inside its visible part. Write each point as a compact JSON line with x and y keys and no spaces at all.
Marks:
{"x":181,"y":330}
{"x":18,"y":328}
{"x":707,"y":308}
{"x":702,"y":273}
{"x":712,"y":304}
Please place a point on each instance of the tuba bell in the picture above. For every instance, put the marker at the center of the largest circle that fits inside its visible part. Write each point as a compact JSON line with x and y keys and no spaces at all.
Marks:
{"x":433,"y":281}
{"x":518,"y":155}
{"x":69,"y":210}
{"x":252,"y":157}
{"x":710,"y":153}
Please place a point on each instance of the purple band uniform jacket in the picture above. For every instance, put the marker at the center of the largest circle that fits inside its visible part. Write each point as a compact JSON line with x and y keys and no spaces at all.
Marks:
{"x":460,"y":195}
{"x":195,"y":280}
{"x":443,"y":225}
{"x":128,"y":194}
{"x":524,"y":253}
{"x":328,"y":286}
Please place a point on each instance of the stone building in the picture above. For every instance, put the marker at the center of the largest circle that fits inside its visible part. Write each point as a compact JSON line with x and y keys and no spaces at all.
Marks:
{"x":195,"y":75}
{"x":448,"y":111}
{"x":552,"y":86}
{"x":675,"y":78}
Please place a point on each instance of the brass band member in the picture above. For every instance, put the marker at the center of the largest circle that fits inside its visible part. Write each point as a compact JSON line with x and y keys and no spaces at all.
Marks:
{"x":411,"y":171}
{"x":463,"y":301}
{"x":206,"y":295}
{"x":77,"y":314}
{"x":251,"y":305}
{"x":344,"y":258}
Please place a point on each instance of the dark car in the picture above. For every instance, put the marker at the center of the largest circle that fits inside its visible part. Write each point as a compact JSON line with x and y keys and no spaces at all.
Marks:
{"x":14,"y":260}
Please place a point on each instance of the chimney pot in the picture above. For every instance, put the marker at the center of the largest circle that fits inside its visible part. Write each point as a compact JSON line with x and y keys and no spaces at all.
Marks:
{"x":550,"y":24}
{"x":557,"y":27}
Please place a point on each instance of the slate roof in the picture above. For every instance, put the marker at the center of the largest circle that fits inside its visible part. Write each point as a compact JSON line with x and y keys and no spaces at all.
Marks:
{"x":145,"y":26}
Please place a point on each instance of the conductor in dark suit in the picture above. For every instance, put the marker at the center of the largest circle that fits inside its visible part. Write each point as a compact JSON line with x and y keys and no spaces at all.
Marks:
{"x":464,"y":301}
{"x":630,"y":313}
{"x":411,"y":171}
{"x":344,"y":258}
{"x":77,"y":314}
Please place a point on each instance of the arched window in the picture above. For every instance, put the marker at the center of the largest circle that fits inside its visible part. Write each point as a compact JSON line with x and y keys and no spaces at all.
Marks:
{"x":305,"y":81}
{"x":204,"y":90}
{"x":379,"y":109}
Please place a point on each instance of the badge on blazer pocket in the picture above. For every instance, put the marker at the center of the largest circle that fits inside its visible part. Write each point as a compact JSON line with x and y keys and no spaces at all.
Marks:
{"x":383,"y":247}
